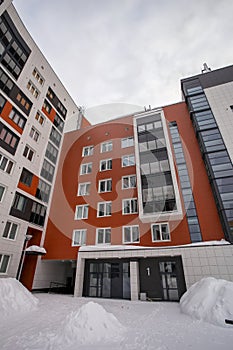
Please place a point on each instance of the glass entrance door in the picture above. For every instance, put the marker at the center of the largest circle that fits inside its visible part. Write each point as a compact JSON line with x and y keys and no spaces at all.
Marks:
{"x":168,"y":275}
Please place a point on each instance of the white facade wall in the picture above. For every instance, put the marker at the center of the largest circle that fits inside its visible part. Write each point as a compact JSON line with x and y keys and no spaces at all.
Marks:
{"x":38,"y":61}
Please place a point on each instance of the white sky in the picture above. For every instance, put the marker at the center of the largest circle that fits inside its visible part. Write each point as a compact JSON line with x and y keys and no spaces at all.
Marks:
{"x":129,"y":51}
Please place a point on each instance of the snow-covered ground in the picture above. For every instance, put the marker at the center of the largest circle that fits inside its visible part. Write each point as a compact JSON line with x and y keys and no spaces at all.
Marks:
{"x":67,"y":323}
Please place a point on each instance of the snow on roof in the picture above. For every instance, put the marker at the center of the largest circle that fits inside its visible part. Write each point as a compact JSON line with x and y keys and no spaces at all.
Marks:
{"x":14,"y":297}
{"x":36,"y":249}
{"x":134,"y":247}
{"x":210,"y":300}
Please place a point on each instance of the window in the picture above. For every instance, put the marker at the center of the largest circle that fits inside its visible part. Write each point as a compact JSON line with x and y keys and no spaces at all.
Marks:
{"x":160,"y":232}
{"x":128,"y":160}
{"x":33,"y":90}
{"x":17,"y":118}
{"x":47,"y":171}
{"x":43,"y":191}
{"x":55,"y":137}
{"x":86,"y":168}
{"x":106,"y":164}
{"x":4,"y":262}
{"x":19,"y":202}
{"x":38,"y":76}
{"x":105,"y":185}
{"x":103,"y":235}
{"x":84,"y":189}
{"x":47,"y":107}
{"x":127,"y":142}
{"x":34,"y":134}
{"x":51,"y":153}
{"x":88,"y":151}
{"x":2,"y":191}
{"x":10,"y":230}
{"x":23,"y":102}
{"x":129,"y":181}
{"x":130,"y":206}
{"x":81,"y":212}
{"x":106,"y":146}
{"x":2,"y":102}
{"x":104,"y":209}
{"x":38,"y":213}
{"x":28,"y":153}
{"x":9,"y":140}
{"x":39,"y":117}
{"x":130,"y":234}
{"x":6,"y":164}
{"x":79,"y":237}
{"x":58,"y":122}
{"x":26,"y":177}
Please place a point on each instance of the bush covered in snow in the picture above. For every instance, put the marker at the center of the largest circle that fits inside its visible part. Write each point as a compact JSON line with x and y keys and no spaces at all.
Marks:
{"x":209,"y":300}
{"x":15,"y":297}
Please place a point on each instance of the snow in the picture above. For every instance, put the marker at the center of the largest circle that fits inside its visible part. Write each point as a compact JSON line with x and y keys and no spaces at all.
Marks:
{"x":134,"y":247}
{"x":36,"y":248}
{"x":14,"y":297}
{"x":63,"y":322}
{"x":210,"y":300}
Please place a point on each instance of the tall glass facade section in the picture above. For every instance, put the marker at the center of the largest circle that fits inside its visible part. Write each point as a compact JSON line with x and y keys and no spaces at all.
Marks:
{"x":215,"y":155}
{"x":189,"y":204}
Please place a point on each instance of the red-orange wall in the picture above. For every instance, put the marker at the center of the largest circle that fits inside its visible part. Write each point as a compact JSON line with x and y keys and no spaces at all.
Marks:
{"x":30,"y":189}
{"x":5,"y":115}
{"x":61,"y":221}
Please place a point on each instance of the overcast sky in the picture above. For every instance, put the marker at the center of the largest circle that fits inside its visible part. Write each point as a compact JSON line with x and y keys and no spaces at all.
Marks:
{"x":129,"y":51}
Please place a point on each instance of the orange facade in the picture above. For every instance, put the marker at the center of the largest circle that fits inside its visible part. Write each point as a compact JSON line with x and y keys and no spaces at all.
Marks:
{"x":61,"y":219}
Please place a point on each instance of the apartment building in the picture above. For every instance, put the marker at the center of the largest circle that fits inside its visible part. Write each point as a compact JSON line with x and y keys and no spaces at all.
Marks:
{"x":34,"y":106}
{"x":140,"y":206}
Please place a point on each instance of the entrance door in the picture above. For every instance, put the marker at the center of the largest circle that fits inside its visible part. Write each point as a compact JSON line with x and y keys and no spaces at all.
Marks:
{"x":169,"y":280}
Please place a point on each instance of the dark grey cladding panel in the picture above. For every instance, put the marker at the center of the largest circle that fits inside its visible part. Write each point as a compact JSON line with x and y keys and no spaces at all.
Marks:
{"x":213,"y":78}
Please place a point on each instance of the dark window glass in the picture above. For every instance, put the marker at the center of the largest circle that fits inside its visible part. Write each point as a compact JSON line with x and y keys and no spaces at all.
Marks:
{"x":26,"y":177}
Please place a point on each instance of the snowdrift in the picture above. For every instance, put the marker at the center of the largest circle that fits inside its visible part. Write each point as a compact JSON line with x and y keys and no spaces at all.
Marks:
{"x":91,"y":324}
{"x":209,"y":300}
{"x":14,"y":297}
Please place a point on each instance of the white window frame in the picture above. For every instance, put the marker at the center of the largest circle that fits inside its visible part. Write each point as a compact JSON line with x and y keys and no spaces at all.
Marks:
{"x":105,"y":207}
{"x":83,"y":166}
{"x":106,"y":162}
{"x":127,"y":142}
{"x":106,"y":146}
{"x":3,"y":193}
{"x":84,"y":212}
{"x":28,"y":152}
{"x":40,"y":118}
{"x":131,"y":228}
{"x":84,"y":189}
{"x":10,"y":230}
{"x":128,"y":177}
{"x":104,"y":235}
{"x":1,"y":262}
{"x":34,"y":134}
{"x":127,"y":157}
{"x":82,"y":233}
{"x":5,"y":167}
{"x":33,"y":90}
{"x":38,"y":76}
{"x":106,"y":183}
{"x":90,"y":151}
{"x":130,"y":200}
{"x":160,"y":232}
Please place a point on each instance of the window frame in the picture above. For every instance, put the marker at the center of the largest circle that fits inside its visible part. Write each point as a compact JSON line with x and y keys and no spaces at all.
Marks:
{"x":108,"y":145}
{"x":128,"y":142}
{"x":3,"y":192}
{"x":106,"y":182}
{"x":106,"y":162}
{"x":10,"y":229}
{"x":128,"y":176}
{"x":34,"y":134}
{"x":6,"y":165}
{"x":130,"y":200}
{"x":26,"y":153}
{"x":105,"y":207}
{"x":87,"y":185}
{"x":81,"y":168}
{"x":82,"y":206}
{"x":127,"y":155}
{"x":40,"y":118}
{"x":160,"y":232}
{"x":131,"y":234}
{"x":2,"y":255}
{"x":104,"y":235}
{"x":90,"y":151}
{"x":81,"y":242}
